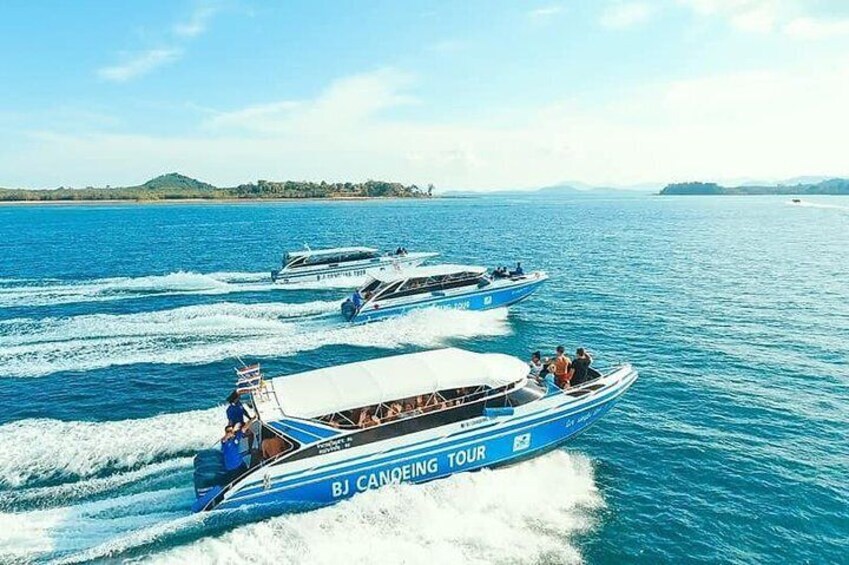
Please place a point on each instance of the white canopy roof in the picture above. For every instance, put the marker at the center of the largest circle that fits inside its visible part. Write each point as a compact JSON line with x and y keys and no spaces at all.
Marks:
{"x":333,"y":251}
{"x":343,"y":387}
{"x":391,"y":275}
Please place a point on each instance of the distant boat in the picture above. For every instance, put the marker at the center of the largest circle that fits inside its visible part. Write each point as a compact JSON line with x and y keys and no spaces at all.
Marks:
{"x":321,"y":264}
{"x":462,"y":287}
{"x":797,"y":201}
{"x":331,"y":433}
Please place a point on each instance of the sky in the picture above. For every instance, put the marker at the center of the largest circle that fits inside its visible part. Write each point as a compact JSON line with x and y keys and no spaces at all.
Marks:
{"x":463,"y":94}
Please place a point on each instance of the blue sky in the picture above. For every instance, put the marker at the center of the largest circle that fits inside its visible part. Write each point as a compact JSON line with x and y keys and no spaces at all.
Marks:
{"x":462,"y":94}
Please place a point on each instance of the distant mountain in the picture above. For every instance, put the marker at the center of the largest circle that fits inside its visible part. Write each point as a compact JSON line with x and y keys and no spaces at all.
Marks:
{"x":178,"y":181}
{"x":570,"y":189}
{"x":825,"y":187}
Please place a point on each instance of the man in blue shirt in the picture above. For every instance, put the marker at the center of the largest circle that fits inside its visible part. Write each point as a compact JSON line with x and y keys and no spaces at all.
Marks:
{"x":235,"y":411}
{"x":233,"y":463}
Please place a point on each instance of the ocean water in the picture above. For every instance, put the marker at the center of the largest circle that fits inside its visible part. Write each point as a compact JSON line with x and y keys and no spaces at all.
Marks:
{"x":120,"y":326}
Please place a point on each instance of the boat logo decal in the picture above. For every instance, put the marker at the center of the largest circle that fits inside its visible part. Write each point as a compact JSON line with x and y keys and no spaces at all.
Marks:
{"x":522,"y":441}
{"x":337,"y":444}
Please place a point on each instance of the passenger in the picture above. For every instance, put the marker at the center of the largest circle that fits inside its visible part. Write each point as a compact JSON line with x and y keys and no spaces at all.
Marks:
{"x":233,"y":463}
{"x":398,"y":251}
{"x":547,"y":367}
{"x":581,"y":367}
{"x":357,"y":299}
{"x":562,"y":366}
{"x":272,"y":447}
{"x":518,"y":271}
{"x":238,"y":417}
{"x":392,"y":412}
{"x":536,"y":364}
{"x":409,"y":407}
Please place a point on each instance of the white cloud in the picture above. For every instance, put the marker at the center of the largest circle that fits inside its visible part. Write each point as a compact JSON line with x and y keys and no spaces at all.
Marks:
{"x":346,"y":102}
{"x":139,"y":64}
{"x":626,"y":14}
{"x":146,"y":61}
{"x":198,"y":21}
{"x":545,"y":12}
{"x":764,"y":124}
{"x":814,"y":28}
{"x":791,"y":17}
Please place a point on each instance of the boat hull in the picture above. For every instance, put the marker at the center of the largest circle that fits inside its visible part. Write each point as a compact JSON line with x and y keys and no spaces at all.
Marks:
{"x":352,"y":269}
{"x":488,"y":442}
{"x":479,"y":299}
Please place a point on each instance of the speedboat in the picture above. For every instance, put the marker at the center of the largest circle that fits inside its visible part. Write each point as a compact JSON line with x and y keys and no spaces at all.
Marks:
{"x":346,"y":429}
{"x":394,"y":292}
{"x":320,"y":264}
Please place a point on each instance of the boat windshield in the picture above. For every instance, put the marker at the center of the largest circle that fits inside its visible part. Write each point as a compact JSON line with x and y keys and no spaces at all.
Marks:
{"x":328,"y":258}
{"x":435,"y":283}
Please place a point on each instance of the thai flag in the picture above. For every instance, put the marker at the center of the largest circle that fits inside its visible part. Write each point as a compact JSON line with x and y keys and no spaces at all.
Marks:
{"x":248,"y":378}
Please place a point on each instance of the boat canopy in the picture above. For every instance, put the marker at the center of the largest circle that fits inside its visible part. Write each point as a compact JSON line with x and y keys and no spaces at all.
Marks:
{"x":426,"y":272}
{"x":367,"y":383}
{"x":334,"y":251}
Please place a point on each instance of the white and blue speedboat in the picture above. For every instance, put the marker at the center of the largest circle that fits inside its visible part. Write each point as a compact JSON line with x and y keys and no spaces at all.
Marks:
{"x":321,"y":264}
{"x":393,"y":292}
{"x":412,"y":418}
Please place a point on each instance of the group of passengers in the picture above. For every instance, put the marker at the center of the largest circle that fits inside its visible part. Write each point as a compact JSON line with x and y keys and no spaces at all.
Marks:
{"x":564,"y":371}
{"x":370,"y":416}
{"x":504,"y":273}
{"x":401,"y":251}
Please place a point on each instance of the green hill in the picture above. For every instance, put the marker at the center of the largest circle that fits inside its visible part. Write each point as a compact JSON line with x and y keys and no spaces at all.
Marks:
{"x":826,"y":187}
{"x":175,"y":186}
{"x":176,"y":181}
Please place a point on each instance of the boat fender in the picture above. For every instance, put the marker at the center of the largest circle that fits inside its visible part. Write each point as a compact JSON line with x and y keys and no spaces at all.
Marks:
{"x":201,"y":502}
{"x":495,"y":412}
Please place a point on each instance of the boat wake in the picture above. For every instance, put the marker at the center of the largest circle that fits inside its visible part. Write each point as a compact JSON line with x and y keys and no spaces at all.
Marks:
{"x":51,"y":452}
{"x":206,"y":333}
{"x":29,"y":292}
{"x":808,"y":204}
{"x":465,"y":518}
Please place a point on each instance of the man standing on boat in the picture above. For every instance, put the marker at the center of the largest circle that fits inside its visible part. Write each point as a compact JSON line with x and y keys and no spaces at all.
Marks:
{"x":237,"y":417}
{"x":562,"y":368}
{"x":581,"y":367}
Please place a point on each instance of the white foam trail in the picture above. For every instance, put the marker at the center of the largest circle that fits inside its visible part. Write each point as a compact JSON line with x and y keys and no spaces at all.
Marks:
{"x":807,"y":204}
{"x":201,"y":334}
{"x":527,"y":513}
{"x":27,"y":292}
{"x":50,"y":449}
{"x":88,"y":487}
{"x":36,"y":534}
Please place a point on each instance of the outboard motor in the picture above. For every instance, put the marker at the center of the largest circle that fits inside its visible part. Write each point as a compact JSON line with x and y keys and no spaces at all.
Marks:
{"x":349,"y":309}
{"x":209,"y":471}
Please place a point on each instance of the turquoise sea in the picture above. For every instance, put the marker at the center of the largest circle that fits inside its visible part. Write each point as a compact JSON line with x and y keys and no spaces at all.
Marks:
{"x":120,"y":326}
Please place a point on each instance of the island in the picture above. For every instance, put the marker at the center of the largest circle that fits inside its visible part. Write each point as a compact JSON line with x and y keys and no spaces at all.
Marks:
{"x":175,"y":186}
{"x":836,"y":186}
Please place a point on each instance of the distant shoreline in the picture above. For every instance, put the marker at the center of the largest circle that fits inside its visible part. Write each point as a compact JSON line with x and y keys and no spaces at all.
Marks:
{"x":107,"y":202}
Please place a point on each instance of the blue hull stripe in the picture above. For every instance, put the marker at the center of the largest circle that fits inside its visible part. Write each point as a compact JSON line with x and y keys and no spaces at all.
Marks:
{"x":301,"y":431}
{"x":344,"y":467}
{"x":292,"y":487}
{"x":520,"y":424}
{"x":500,"y":297}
